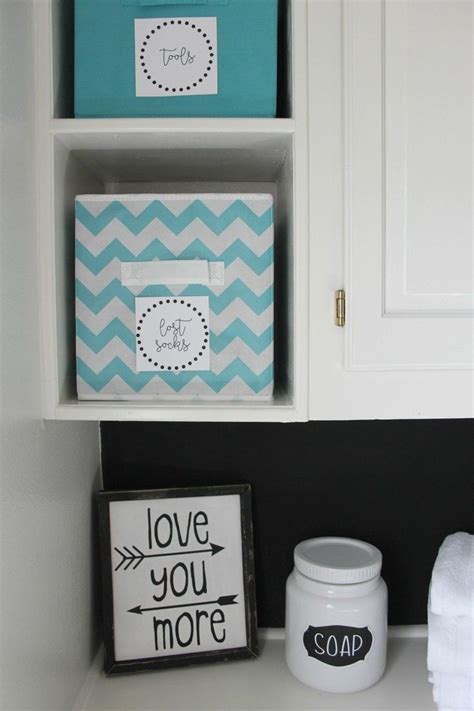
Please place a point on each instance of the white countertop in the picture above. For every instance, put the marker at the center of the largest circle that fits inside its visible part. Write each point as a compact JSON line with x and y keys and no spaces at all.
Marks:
{"x":263,"y":684}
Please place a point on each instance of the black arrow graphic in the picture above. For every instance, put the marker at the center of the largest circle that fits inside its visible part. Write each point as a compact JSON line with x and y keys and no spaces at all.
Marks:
{"x":135,"y":557}
{"x":223,"y":600}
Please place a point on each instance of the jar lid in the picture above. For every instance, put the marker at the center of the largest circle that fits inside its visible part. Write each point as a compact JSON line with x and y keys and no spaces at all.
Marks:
{"x":342,"y":561}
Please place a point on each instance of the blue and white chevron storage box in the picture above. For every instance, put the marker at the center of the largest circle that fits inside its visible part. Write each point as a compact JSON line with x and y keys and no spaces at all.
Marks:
{"x":174,"y":297}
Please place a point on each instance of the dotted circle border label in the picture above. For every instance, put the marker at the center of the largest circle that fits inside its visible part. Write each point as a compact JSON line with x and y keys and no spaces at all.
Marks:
{"x":200,"y":80}
{"x":203,"y":347}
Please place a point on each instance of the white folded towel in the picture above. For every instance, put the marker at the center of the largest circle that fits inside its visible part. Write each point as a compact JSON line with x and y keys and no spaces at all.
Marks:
{"x":450,"y":644}
{"x":453,"y":691}
{"x":452,"y":582}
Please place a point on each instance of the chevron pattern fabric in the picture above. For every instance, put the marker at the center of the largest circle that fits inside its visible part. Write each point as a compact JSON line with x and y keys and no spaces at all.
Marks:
{"x":234,"y":229}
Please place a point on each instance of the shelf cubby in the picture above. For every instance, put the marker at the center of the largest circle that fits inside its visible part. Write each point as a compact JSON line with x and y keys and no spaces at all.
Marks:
{"x":59,"y":22}
{"x":149,"y":155}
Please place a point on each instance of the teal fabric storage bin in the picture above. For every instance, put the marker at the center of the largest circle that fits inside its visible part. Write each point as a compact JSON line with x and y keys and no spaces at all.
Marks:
{"x":175,"y":58}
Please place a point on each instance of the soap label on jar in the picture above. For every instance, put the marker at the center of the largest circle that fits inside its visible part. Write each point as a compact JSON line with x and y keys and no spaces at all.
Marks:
{"x":176,"y":56}
{"x":338,"y":645}
{"x":172,"y":333}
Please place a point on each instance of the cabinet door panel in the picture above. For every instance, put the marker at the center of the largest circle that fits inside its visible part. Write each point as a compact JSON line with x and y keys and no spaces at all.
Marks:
{"x":427,"y":160}
{"x":398,"y":142}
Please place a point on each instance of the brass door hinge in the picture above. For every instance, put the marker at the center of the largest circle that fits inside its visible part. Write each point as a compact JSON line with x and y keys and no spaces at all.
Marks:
{"x":340,"y":307}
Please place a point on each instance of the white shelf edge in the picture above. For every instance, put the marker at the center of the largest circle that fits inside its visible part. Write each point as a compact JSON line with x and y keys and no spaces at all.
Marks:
{"x":175,"y":125}
{"x":402,"y":636}
{"x":172,"y":412}
{"x":394,"y":632}
{"x":408,"y":632}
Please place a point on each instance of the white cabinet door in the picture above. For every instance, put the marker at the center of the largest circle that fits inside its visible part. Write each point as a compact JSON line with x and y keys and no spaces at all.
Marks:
{"x":391,"y":124}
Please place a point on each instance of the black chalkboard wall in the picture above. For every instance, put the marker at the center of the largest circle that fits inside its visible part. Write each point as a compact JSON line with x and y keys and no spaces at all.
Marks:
{"x":400,"y":485}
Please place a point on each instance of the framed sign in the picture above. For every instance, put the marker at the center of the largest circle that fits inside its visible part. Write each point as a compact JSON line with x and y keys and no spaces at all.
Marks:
{"x":178,"y":577}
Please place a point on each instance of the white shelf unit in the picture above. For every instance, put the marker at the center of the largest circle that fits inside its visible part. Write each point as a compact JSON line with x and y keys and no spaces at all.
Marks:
{"x":169,"y":155}
{"x":264,"y":684}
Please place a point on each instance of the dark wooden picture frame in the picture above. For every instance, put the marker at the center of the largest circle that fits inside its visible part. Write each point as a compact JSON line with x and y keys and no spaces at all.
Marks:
{"x":128,"y":557}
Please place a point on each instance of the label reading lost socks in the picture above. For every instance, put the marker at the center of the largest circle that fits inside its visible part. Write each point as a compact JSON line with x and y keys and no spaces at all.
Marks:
{"x":172,"y":333}
{"x":176,"y":56}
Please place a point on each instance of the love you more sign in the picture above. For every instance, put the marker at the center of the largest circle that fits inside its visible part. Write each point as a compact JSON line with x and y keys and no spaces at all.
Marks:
{"x":178,"y":577}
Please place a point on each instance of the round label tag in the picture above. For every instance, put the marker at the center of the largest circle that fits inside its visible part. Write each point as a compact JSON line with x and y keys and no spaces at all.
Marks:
{"x":176,"y":56}
{"x":172,"y":334}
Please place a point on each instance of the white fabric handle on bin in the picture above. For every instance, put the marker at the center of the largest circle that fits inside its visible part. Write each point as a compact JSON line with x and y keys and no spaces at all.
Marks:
{"x":191,"y":271}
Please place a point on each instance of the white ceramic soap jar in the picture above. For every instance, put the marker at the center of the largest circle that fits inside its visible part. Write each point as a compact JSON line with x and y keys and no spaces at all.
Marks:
{"x":336,"y":615}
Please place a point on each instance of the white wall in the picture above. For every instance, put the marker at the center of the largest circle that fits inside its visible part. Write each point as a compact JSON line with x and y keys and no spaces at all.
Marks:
{"x":48,"y":470}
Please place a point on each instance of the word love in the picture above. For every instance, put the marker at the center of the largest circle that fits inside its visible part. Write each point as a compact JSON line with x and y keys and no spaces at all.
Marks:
{"x":182,"y":56}
{"x":174,"y":330}
{"x":176,"y":529}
